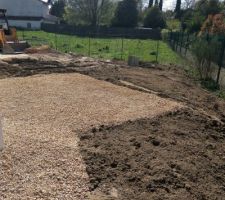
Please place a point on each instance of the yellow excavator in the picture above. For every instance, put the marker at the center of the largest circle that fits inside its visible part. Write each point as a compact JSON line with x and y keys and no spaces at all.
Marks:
{"x":9,"y":42}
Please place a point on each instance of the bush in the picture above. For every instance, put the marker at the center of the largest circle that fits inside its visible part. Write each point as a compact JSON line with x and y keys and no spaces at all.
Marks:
{"x":173,"y":24}
{"x":154,"y":18}
{"x":195,"y":23}
{"x":126,"y":14}
{"x":205,"y":52}
{"x":165,"y":33}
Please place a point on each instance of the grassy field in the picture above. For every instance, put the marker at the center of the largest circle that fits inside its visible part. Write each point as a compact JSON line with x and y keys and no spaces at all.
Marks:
{"x":110,"y":48}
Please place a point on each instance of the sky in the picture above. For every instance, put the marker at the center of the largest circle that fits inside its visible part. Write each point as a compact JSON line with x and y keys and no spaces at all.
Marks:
{"x":168,"y":4}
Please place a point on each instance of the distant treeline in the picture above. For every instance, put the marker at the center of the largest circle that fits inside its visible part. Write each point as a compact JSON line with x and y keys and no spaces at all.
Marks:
{"x":103,"y":31}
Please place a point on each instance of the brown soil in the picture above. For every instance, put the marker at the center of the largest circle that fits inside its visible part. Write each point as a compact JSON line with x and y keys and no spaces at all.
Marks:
{"x":178,"y":155}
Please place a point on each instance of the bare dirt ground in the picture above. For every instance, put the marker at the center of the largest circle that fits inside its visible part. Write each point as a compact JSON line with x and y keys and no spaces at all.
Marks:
{"x":175,"y":155}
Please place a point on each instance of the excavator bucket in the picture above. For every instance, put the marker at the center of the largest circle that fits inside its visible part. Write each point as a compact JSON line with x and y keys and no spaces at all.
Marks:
{"x":14,"y":47}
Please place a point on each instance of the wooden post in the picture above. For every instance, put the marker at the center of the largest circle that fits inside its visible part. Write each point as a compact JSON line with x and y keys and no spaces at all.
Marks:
{"x":1,"y":137}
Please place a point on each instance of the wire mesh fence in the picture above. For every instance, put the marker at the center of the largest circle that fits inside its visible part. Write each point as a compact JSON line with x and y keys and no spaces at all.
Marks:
{"x":185,"y":44}
{"x":108,"y":47}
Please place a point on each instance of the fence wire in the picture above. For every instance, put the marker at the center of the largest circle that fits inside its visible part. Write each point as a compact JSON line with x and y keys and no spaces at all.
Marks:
{"x":183,"y":43}
{"x":108,"y":46}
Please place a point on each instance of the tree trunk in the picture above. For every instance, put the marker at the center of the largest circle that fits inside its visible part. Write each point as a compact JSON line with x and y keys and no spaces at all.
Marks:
{"x":161,"y":5}
{"x":150,"y":4}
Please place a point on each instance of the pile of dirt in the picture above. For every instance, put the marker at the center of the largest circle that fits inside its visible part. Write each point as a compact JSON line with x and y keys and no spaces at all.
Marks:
{"x":179,"y":155}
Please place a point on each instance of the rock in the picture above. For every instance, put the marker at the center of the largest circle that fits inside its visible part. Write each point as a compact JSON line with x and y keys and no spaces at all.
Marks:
{"x":155,"y":142}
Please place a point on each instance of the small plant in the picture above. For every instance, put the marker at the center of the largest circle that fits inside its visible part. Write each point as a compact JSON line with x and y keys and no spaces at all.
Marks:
{"x":210,"y":84}
{"x":79,"y":46}
{"x":221,"y":94}
{"x":106,"y":48}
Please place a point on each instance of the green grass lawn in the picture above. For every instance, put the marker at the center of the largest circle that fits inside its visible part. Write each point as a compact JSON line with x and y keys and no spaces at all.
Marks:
{"x":110,"y":48}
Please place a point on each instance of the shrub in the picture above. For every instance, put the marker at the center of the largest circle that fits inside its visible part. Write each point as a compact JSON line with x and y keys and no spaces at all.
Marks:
{"x":194,"y":24}
{"x":154,"y":18}
{"x":205,"y":52}
{"x":165,"y":34}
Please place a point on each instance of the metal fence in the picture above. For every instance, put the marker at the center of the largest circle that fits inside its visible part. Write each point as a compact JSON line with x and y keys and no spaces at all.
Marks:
{"x":111,"y":47}
{"x":183,"y":42}
{"x":103,"y":31}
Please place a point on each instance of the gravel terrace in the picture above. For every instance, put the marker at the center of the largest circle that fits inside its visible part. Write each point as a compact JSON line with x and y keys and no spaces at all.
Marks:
{"x":41,"y":117}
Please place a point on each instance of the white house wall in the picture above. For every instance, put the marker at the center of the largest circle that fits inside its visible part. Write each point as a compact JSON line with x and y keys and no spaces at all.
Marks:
{"x":33,"y":8}
{"x":24,"y":24}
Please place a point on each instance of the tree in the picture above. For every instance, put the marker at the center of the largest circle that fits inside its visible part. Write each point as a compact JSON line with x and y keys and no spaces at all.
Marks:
{"x":161,"y":4}
{"x":156,"y":2}
{"x":178,"y":9}
{"x":88,"y":12}
{"x":188,"y":4}
{"x":126,"y":14}
{"x":207,"y":7}
{"x":193,"y":19}
{"x":58,"y":8}
{"x":150,"y":4}
{"x":154,"y":18}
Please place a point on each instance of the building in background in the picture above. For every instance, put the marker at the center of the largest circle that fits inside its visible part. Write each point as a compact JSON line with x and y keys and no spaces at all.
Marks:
{"x":28,"y":13}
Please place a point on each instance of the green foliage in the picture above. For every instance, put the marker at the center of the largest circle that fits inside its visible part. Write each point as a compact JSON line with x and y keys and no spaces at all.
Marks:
{"x":205,"y":51}
{"x":194,"y":24}
{"x":126,"y":14}
{"x":221,"y":94}
{"x":207,"y":7}
{"x":210,"y":84}
{"x":86,"y":12}
{"x":72,"y":17}
{"x":192,"y":19}
{"x":173,"y":24}
{"x":58,"y":8}
{"x":165,"y":34}
{"x":154,"y":18}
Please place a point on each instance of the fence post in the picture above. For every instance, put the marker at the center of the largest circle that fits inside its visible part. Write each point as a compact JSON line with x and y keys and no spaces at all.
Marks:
{"x":170,"y":38}
{"x":89,"y":45}
{"x":181,"y":42}
{"x":56,"y":42}
{"x":23,"y":35}
{"x":221,"y":61}
{"x":178,"y":37}
{"x":122,"y":48}
{"x":157,"y":51}
{"x":186,"y":45}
